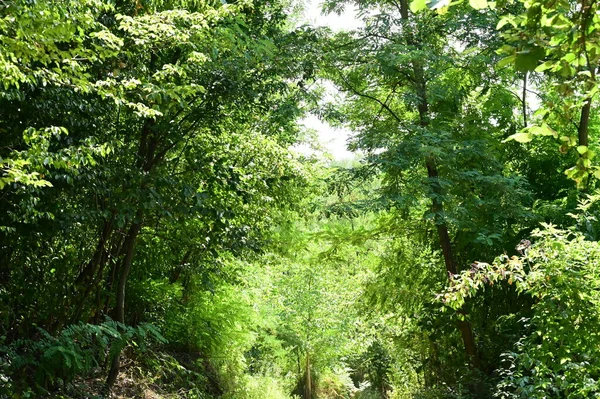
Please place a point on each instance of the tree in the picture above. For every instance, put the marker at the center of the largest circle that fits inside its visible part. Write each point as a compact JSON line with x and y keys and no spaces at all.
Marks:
{"x":181,"y":123}
{"x":427,"y":111}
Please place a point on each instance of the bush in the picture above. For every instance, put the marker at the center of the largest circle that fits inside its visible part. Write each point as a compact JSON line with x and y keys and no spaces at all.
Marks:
{"x":559,"y":354}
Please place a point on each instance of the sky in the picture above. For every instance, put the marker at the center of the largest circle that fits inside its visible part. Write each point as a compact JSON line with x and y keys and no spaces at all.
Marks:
{"x":333,"y":139}
{"x":347,"y":20}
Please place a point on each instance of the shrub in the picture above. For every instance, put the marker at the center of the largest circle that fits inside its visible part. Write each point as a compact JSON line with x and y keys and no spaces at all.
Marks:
{"x":558,"y":355}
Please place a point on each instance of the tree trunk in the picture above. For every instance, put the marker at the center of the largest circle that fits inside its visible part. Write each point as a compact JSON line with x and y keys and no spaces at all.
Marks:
{"x":91,"y":275}
{"x":307,"y":379}
{"x":176,"y":273}
{"x":584,"y":121}
{"x":85,"y":281}
{"x":147,"y":158}
{"x":115,"y":252}
{"x":119,"y":315}
{"x":437,"y":205}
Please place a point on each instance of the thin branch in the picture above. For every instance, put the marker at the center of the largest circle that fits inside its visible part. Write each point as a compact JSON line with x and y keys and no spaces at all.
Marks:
{"x":364,"y":95}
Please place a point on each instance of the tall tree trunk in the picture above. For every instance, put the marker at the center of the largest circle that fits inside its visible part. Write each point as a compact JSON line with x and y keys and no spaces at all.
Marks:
{"x":85,"y":281}
{"x":119,"y":315}
{"x":91,"y":275}
{"x":307,"y":379}
{"x":584,"y":119}
{"x":114,"y":256}
{"x":147,"y":158}
{"x":437,"y":208}
{"x":437,"y":205}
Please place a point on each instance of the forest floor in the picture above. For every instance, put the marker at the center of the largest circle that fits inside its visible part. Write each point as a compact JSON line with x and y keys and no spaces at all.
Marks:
{"x":127,"y":386}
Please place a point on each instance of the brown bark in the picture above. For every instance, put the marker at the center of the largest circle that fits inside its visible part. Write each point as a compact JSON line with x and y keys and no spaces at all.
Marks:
{"x":587,"y":15}
{"x":146,"y":160}
{"x":115,"y":253}
{"x":307,"y":379}
{"x":90,"y":268}
{"x":584,"y":121}
{"x":438,"y":208}
{"x":119,"y":315}
{"x":85,"y":281}
{"x":437,"y":205}
{"x":91,"y":276}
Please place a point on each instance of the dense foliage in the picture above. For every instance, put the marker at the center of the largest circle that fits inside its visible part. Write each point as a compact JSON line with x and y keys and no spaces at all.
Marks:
{"x":162,"y":236}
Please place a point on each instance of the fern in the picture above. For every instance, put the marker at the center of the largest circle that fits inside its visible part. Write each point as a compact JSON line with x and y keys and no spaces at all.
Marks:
{"x":78,"y":350}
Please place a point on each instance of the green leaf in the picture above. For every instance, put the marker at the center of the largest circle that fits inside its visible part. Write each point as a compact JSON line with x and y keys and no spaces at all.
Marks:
{"x":523,"y":137}
{"x":546,"y":65}
{"x":528,"y":60}
{"x":569,"y":57}
{"x":478,"y":4}
{"x":582,"y":149}
{"x":504,"y":21}
{"x":543,"y":130}
{"x":418,"y":5}
{"x":505,"y":61}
